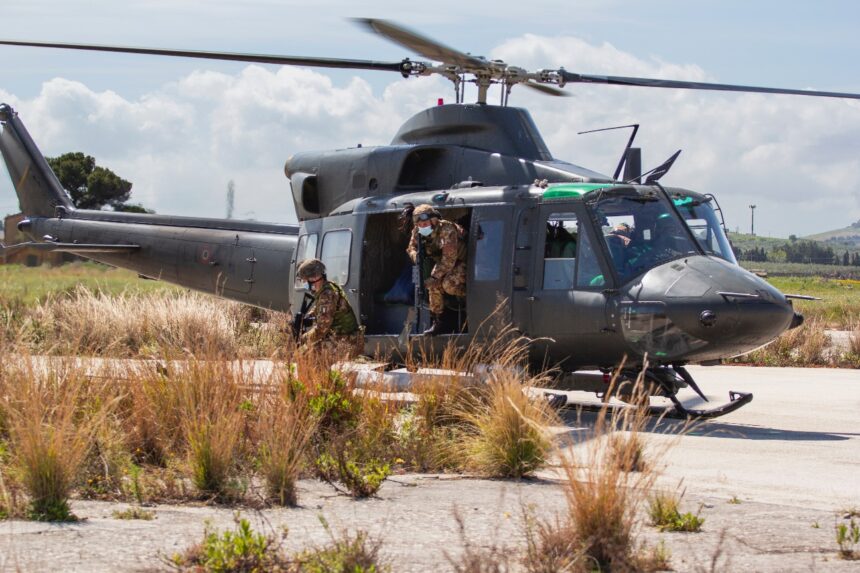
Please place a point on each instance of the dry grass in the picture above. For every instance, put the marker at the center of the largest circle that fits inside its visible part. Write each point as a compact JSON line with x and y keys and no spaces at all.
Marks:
{"x":805,"y":345}
{"x":53,"y":416}
{"x":152,"y":324}
{"x":212,"y":402}
{"x":285,"y":427}
{"x":604,"y":496}
{"x":505,"y":430}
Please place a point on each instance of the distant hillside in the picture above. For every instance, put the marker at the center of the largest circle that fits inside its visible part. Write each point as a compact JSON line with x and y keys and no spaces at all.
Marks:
{"x":847,"y":237}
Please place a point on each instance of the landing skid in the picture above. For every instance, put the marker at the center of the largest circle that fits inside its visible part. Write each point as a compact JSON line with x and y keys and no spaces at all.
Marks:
{"x":676,"y":410}
{"x":662,"y":381}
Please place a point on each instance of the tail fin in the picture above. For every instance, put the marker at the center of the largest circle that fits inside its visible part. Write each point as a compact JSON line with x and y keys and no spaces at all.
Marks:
{"x":39,"y":191}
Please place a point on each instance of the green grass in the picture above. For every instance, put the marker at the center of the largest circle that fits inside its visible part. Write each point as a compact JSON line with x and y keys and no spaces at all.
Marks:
{"x":840,"y":304}
{"x":28,"y":285}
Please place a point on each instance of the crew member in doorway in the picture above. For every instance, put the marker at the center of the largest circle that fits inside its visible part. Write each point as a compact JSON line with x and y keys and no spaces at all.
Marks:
{"x":334,"y":323}
{"x":444,"y":243}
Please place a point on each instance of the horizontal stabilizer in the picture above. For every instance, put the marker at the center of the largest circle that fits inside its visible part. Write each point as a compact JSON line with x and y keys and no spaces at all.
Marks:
{"x":69,"y":248}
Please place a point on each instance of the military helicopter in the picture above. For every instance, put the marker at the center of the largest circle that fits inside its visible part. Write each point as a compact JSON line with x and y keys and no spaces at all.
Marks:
{"x":595,"y":268}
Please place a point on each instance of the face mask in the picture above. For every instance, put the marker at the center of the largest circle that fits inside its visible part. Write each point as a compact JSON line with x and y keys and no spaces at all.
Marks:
{"x":425,"y":231}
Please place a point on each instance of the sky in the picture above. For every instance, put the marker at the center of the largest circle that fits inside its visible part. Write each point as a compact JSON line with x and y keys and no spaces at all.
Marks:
{"x":181,"y":129}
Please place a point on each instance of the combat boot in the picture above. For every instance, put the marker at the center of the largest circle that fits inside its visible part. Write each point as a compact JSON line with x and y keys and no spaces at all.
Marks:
{"x":435,"y":325}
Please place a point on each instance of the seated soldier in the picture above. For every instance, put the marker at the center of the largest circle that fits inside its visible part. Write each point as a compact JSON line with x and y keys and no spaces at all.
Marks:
{"x":334,"y":323}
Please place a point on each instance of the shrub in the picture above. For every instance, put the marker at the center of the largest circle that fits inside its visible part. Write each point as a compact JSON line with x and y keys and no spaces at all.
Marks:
{"x":240,"y":550}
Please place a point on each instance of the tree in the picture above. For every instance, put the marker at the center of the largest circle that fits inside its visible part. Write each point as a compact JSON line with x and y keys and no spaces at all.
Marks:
{"x":91,"y":186}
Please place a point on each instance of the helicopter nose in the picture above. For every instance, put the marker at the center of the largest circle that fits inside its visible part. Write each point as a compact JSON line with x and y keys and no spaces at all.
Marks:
{"x":702,"y":308}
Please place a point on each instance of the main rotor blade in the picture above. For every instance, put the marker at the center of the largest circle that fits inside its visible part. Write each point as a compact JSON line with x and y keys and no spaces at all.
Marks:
{"x":656,"y":83}
{"x":423,"y":45}
{"x":548,"y":90}
{"x":256,"y":58}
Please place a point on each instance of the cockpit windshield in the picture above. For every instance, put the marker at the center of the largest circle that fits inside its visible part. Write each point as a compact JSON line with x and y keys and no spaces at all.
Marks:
{"x":641,"y":232}
{"x":702,"y":220}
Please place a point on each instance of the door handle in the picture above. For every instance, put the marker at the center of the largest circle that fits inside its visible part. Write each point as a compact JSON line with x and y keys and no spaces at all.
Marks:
{"x":531,"y":298}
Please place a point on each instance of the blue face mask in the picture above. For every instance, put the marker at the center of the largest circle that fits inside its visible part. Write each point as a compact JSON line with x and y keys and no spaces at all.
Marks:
{"x":425,"y":231}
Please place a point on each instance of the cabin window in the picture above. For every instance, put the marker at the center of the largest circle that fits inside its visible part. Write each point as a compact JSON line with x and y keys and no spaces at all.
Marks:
{"x":559,"y":252}
{"x":488,"y":250}
{"x":306,"y":249}
{"x":335,"y":255}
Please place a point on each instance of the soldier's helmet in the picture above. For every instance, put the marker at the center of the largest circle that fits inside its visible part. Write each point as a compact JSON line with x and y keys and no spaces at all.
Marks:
{"x":425,"y":212}
{"x":311,"y":268}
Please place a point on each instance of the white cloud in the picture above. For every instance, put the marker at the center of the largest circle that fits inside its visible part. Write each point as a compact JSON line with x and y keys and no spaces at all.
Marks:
{"x":794,"y":157}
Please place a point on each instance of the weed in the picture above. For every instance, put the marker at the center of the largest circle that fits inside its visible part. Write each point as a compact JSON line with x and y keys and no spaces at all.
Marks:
{"x":663,"y":513}
{"x":347,"y":553}
{"x":360,"y":479}
{"x":848,"y":537}
{"x":816,"y":525}
{"x":134,"y":512}
{"x":240,"y":550}
{"x":735,"y":500}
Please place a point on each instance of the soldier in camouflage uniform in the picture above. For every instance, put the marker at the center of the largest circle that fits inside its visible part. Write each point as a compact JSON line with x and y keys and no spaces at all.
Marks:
{"x":443,"y":243}
{"x":334,"y":323}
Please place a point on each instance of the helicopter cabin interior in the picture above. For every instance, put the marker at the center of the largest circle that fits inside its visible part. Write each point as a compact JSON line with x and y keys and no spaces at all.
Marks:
{"x":387,"y":290}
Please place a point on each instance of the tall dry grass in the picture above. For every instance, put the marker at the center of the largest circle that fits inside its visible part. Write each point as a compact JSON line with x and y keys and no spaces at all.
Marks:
{"x":214,"y":409}
{"x":54,"y":414}
{"x":164,"y":324}
{"x":285,"y":428}
{"x":806,"y":345}
{"x":604,"y":497}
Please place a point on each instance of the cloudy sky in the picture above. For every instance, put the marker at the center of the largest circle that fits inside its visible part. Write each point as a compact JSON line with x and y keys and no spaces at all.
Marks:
{"x":180,"y":129}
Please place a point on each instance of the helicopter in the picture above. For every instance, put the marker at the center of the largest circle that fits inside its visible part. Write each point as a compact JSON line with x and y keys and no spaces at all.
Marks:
{"x":596,"y":270}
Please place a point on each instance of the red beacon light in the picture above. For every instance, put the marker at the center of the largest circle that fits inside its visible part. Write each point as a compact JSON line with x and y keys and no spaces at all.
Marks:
{"x":440,"y":101}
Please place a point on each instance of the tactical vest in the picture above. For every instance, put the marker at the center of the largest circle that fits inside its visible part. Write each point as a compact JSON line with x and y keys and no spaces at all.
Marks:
{"x":344,"y":321}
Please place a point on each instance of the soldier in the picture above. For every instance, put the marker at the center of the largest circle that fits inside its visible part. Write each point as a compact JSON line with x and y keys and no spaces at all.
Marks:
{"x":334,"y":323}
{"x":443,"y":243}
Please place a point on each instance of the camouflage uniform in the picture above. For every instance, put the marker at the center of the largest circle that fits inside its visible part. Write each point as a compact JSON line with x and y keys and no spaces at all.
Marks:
{"x":335,"y":328}
{"x":446,"y":247}
{"x":334,"y":321}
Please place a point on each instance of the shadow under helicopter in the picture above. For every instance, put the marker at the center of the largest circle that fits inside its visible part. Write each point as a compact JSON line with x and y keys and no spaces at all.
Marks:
{"x":581,"y":428}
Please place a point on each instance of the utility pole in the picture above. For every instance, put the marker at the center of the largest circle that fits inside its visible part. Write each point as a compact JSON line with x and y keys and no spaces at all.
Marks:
{"x":231,"y":198}
{"x":752,"y":220}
